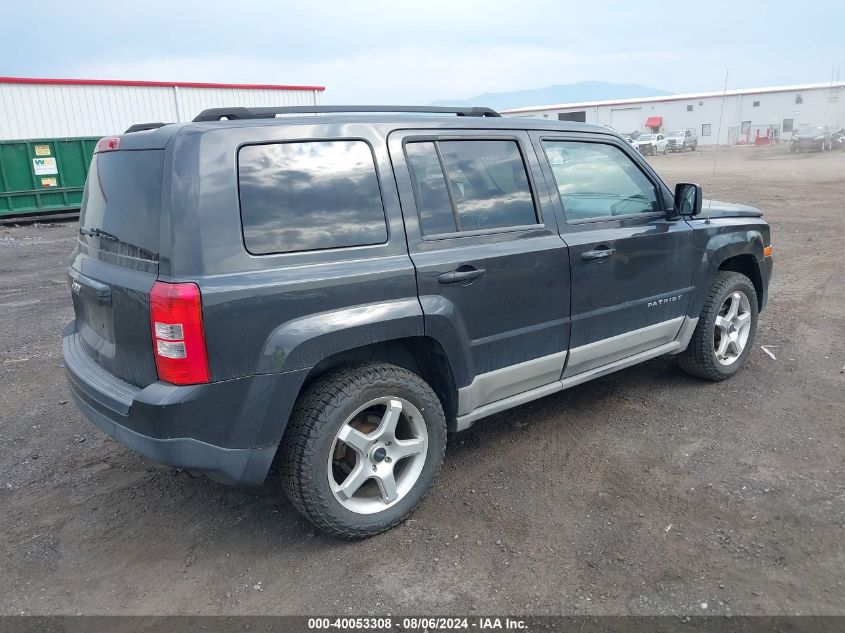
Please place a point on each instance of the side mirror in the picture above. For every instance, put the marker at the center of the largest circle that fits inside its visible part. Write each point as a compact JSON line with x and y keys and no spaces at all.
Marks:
{"x":688,"y":199}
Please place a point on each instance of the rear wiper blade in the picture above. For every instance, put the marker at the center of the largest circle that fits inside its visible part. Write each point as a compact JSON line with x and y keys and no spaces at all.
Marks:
{"x":99,"y":233}
{"x":135,"y":250}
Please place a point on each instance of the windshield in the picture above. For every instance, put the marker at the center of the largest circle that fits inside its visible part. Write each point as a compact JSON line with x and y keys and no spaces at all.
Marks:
{"x":810,"y":131}
{"x":676,"y":133}
{"x":647,"y":137}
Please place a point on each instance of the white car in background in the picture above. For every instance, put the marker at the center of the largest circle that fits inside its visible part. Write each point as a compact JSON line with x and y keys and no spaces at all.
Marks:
{"x":651,"y":144}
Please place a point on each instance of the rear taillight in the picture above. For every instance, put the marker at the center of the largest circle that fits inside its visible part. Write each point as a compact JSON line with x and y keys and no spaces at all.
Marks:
{"x":108,"y":144}
{"x":178,"y":337}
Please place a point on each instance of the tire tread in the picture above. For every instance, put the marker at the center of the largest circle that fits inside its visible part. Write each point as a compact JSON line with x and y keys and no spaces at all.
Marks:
{"x":308,"y":421}
{"x":698,"y":359}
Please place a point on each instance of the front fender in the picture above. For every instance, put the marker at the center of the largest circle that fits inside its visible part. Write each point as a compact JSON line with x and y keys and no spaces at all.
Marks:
{"x":717,"y":243}
{"x":304,"y":342}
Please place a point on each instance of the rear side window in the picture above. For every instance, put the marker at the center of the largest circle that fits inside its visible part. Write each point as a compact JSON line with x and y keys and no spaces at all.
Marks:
{"x":485,"y":185}
{"x":122,"y":199}
{"x":430,"y":189}
{"x":303,"y":196}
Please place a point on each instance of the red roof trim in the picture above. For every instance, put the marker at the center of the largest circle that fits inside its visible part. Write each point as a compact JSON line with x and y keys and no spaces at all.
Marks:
{"x":155,"y":84}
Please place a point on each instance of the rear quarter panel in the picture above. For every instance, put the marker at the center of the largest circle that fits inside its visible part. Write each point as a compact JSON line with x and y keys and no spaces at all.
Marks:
{"x":283,"y":312}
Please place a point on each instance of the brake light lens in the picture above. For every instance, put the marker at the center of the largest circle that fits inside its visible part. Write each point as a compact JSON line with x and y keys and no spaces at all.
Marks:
{"x":178,"y":335}
{"x":108,"y":144}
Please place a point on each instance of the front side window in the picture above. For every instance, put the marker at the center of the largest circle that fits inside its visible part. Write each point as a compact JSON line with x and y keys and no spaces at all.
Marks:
{"x":303,"y":196}
{"x":598,"y":181}
{"x":470,"y":185}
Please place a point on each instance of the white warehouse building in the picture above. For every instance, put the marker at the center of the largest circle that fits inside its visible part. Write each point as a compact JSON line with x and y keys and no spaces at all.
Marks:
{"x":59,"y":108}
{"x":746,"y":115}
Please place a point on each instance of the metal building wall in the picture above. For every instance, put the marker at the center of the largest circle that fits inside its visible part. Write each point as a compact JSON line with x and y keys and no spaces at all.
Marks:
{"x":55,"y":110}
{"x":821,"y":104}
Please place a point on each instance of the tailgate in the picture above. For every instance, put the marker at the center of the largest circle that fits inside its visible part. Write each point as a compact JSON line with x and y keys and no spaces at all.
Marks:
{"x":115,"y":263}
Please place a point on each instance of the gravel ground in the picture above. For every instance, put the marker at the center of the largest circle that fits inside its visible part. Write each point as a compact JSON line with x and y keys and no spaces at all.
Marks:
{"x":644,"y":492}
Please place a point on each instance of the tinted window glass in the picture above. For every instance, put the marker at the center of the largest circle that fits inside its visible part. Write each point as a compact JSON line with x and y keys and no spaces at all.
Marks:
{"x":123,"y":198}
{"x":310,"y":195}
{"x":597,"y":180}
{"x":489,"y":184}
{"x":433,"y":205}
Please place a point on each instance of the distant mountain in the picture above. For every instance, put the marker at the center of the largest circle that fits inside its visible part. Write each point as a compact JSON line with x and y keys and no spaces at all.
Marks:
{"x":567,"y":93}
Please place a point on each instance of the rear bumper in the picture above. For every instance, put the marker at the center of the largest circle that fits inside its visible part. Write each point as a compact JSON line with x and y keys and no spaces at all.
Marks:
{"x":229,"y":465}
{"x":229,"y":429}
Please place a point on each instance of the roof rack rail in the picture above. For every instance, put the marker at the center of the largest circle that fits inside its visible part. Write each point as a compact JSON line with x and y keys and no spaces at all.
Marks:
{"x":236,"y":113}
{"x":140,"y":127}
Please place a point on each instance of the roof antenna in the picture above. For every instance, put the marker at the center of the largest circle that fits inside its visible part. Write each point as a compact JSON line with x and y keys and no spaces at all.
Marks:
{"x":718,"y":136}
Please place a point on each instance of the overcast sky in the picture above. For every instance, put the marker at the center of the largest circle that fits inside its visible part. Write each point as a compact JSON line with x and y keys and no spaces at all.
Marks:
{"x":417,"y":52}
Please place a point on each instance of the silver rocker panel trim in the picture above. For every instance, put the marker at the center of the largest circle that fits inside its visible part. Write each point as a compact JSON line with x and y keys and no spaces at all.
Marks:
{"x":466,"y":420}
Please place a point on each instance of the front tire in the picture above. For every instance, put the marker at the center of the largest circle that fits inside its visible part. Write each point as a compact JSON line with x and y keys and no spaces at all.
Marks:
{"x":362,"y":449}
{"x":724,"y":335}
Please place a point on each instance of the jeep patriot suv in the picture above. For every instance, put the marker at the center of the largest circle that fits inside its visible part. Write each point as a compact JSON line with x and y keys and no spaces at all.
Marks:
{"x":339,"y":288}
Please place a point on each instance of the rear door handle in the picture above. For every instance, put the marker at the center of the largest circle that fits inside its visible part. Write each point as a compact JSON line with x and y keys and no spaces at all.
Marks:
{"x":457,"y":276}
{"x":599,"y":253}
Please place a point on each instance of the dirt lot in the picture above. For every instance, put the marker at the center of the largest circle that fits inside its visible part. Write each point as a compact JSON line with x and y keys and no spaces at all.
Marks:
{"x":644,"y":492}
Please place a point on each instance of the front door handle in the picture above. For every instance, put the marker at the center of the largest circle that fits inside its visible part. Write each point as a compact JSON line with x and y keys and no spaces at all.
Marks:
{"x":599,"y":253}
{"x":457,"y":276}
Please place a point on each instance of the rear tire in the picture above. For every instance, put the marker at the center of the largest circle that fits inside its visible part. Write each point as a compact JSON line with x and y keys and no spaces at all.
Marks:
{"x":718,"y":330}
{"x":362,"y":449}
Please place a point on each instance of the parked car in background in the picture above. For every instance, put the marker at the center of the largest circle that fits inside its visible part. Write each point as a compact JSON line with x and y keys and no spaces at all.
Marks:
{"x":815,"y":137}
{"x":336,"y":292}
{"x":651,"y":144}
{"x":682,"y":140}
{"x":837,"y":139}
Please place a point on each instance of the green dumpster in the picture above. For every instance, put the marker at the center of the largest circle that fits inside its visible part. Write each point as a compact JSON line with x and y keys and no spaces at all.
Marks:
{"x":43,"y":175}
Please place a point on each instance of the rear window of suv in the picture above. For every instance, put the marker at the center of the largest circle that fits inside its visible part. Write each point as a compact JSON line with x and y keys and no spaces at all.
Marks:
{"x":309,"y":195}
{"x":122,"y":202}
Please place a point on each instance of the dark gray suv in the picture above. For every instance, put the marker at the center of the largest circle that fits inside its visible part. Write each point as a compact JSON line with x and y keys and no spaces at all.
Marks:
{"x":338,"y":288}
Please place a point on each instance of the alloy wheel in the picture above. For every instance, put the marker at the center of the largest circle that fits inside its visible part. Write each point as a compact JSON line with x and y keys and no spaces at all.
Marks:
{"x":733,"y":325}
{"x":378,"y":455}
